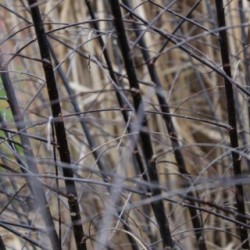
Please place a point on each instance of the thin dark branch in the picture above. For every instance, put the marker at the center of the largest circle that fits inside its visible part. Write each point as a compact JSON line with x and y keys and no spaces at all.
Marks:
{"x":34,"y":185}
{"x":158,"y":207}
{"x":184,"y":48}
{"x":122,"y":99}
{"x":2,"y":245}
{"x":197,"y":224}
{"x":239,"y":193}
{"x":59,"y":127}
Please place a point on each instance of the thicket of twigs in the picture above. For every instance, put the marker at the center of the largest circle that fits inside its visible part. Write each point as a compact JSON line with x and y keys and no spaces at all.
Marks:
{"x":124,"y":124}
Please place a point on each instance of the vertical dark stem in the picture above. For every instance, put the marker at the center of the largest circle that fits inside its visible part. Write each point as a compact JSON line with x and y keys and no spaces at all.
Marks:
{"x":103,"y":169}
{"x":59,"y":126}
{"x":2,"y":245}
{"x":31,"y":168}
{"x":157,"y":206}
{"x":170,"y":128}
{"x":190,"y":52}
{"x":122,"y":100}
{"x":239,"y":194}
{"x":77,"y":109}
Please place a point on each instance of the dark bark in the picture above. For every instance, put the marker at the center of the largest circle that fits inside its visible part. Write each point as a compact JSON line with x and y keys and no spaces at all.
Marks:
{"x":60,"y":132}
{"x":239,"y":193}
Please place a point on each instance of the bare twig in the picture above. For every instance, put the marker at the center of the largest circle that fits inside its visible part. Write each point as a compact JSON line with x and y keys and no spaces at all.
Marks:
{"x":59,"y":127}
{"x":239,"y":193}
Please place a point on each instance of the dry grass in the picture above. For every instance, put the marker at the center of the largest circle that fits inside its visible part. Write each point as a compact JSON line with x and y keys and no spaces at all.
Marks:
{"x":196,"y":97}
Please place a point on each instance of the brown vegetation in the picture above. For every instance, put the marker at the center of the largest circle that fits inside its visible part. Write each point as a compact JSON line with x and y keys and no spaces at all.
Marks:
{"x":148,"y":123}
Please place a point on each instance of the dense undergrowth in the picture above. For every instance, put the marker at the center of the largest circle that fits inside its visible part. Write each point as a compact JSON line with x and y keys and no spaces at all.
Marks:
{"x":124,"y":124}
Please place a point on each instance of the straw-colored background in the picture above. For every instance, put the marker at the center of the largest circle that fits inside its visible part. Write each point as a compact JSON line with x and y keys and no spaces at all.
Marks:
{"x":191,"y":88}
